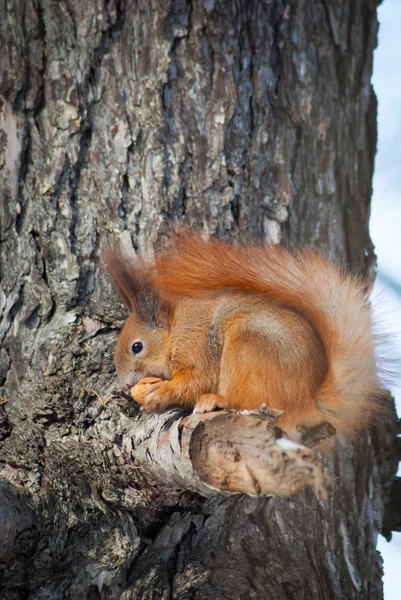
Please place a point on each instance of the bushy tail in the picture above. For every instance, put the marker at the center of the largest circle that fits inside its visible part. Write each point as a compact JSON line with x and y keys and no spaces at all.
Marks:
{"x":333,"y":301}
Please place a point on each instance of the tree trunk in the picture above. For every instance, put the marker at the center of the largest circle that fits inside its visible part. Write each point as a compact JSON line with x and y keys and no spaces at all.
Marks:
{"x":249,"y":120}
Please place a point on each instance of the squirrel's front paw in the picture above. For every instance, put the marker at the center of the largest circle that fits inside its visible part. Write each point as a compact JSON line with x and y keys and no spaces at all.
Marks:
{"x":154,"y":395}
{"x":144,"y":387}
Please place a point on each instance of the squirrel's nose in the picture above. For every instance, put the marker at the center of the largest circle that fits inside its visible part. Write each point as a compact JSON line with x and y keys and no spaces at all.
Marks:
{"x":127,"y":381}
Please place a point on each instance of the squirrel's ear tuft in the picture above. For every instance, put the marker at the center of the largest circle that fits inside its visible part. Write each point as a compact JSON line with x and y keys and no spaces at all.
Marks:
{"x":127,"y":278}
{"x":132,"y":281}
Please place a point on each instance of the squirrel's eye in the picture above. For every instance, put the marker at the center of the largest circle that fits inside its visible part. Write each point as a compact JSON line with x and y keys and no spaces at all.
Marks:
{"x":137,"y":347}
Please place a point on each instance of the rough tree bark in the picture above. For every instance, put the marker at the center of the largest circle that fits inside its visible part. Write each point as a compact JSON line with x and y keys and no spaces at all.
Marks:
{"x":248,"y":119}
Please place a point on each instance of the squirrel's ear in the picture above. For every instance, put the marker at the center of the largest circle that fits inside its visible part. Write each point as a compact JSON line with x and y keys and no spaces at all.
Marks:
{"x":133,"y":283}
{"x":125,"y":276}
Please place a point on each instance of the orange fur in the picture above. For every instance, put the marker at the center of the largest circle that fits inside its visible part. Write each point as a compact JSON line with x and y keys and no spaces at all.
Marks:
{"x":253,"y":325}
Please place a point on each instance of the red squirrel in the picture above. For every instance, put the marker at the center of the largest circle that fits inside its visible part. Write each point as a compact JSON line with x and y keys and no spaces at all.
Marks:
{"x":217,"y":325}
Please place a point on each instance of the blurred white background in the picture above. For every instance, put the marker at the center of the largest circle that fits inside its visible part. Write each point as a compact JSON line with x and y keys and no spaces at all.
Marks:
{"x":385,"y":223}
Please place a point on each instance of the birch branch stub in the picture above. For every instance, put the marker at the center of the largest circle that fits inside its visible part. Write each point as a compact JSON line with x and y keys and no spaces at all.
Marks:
{"x":226,"y":452}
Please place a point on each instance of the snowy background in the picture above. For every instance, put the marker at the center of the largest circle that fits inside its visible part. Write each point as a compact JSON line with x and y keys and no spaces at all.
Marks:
{"x":385,"y":223}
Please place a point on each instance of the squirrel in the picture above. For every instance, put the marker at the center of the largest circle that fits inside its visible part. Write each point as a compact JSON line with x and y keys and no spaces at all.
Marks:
{"x":214,"y":325}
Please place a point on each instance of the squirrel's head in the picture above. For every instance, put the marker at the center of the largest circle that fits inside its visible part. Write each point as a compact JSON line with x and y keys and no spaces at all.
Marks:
{"x":141,"y":351}
{"x":142,"y":347}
